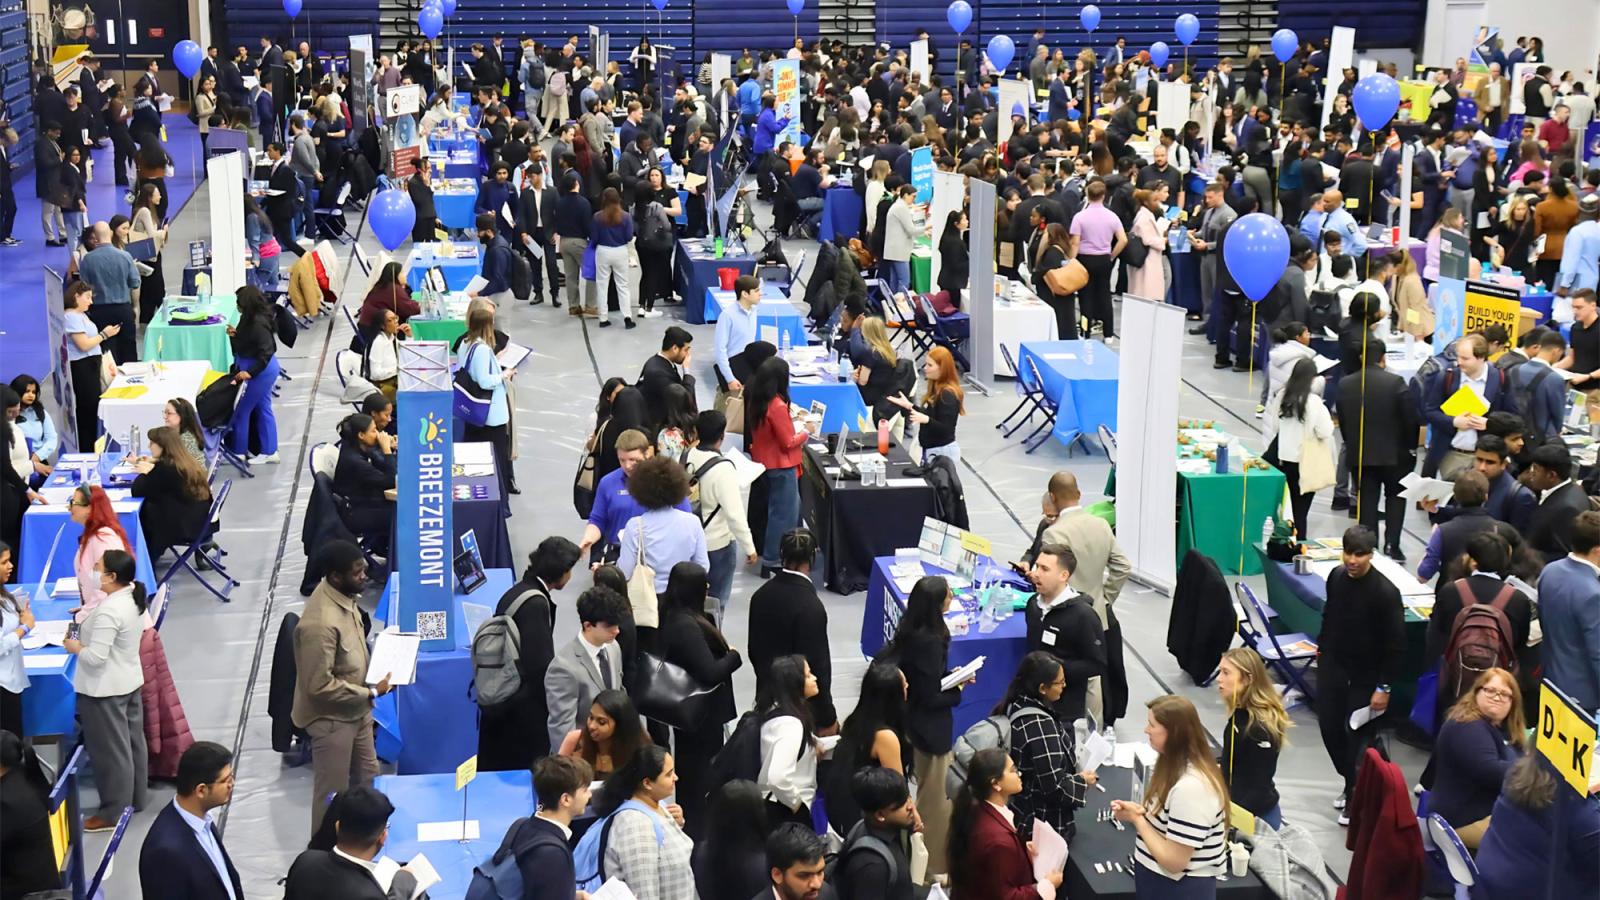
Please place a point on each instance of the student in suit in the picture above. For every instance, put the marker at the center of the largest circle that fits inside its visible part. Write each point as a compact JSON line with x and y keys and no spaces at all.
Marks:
{"x":1381,"y":442}
{"x":1569,"y":613}
{"x":1541,"y":395}
{"x":1433,"y":178}
{"x":346,"y":871}
{"x":1451,"y":449}
{"x":514,"y":733}
{"x":1449,"y":538}
{"x":267,"y":115}
{"x":787,"y":616}
{"x":589,"y":664}
{"x":536,"y":206}
{"x":663,"y":369}
{"x":1214,"y":222}
{"x":989,"y":859}
{"x":539,"y":842}
{"x":1488,"y":557}
{"x":182,"y":855}
{"x":795,"y":863}
{"x":1560,"y":501}
{"x":280,"y":207}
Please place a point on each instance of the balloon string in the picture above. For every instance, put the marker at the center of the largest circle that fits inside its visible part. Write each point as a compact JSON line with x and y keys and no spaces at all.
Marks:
{"x":1361,"y":429}
{"x":1244,"y":486}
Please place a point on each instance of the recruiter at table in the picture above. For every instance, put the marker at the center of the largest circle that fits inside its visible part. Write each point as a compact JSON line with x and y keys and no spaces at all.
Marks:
{"x":854,"y":523}
{"x":137,"y":398}
{"x":697,"y":269}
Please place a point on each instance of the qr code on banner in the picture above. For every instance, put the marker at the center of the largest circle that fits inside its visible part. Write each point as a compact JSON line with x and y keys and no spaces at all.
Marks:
{"x":433,"y":626}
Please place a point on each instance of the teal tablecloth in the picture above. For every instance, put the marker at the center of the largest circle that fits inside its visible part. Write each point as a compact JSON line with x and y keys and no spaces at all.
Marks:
{"x":165,"y":341}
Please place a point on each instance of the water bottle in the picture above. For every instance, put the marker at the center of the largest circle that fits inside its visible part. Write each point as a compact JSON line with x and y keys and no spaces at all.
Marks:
{"x":845,"y":369}
{"x":883,"y":436}
{"x":1266,"y":531}
{"x":882,"y":472}
{"x":1222,"y":458}
{"x":986,"y":620}
{"x":783,"y":342}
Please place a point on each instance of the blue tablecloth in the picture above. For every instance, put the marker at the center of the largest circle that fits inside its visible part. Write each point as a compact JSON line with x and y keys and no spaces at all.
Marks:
{"x":437,"y":708}
{"x":1543,"y":301}
{"x":455,"y":209}
{"x":1003,"y":647}
{"x":1081,"y":376}
{"x":1185,"y":290}
{"x":442,"y":148}
{"x":458,"y":271}
{"x":842,"y":399}
{"x":771,"y":292}
{"x":841,"y":213}
{"x":39,"y":527}
{"x":770,"y":313}
{"x":50,"y":703}
{"x":697,"y":270}
{"x":494,"y":799}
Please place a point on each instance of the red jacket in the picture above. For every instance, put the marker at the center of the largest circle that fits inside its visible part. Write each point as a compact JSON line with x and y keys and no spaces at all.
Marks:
{"x":999,"y":857}
{"x":776,"y":443}
{"x":166,"y":729}
{"x":1388,"y":861}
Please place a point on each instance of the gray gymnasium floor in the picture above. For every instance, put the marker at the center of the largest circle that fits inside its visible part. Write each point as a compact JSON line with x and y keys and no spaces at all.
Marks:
{"x":221,"y":654}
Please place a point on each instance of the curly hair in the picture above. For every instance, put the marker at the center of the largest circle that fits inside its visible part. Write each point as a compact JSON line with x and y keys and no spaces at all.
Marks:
{"x":659,"y":483}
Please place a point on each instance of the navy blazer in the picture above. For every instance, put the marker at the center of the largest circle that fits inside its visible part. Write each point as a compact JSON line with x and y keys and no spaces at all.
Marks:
{"x":1496,"y":390}
{"x":1548,"y":400}
{"x":173,"y":866}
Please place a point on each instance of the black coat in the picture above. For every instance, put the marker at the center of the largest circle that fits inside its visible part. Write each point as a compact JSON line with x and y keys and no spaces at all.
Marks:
{"x":655,"y":377}
{"x":27,"y":859}
{"x":280,"y":690}
{"x":1389,"y":437}
{"x":421,"y":194}
{"x":787,"y":616}
{"x":1202,"y":623}
{"x":930,"y":720}
{"x":953,"y":269}
{"x":281,"y":207}
{"x":730,"y":874}
{"x":319,"y":875}
{"x":682,"y":641}
{"x":1550,"y":528}
{"x":169,"y":516}
{"x":172,"y":864}
{"x":1071,"y":632}
{"x":515,"y":734}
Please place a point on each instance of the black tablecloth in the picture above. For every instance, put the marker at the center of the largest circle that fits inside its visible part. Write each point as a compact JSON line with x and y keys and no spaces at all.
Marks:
{"x":855,"y":524}
{"x":1099,"y":842}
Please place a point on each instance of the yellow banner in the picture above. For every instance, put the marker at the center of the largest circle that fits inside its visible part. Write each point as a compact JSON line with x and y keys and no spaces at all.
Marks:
{"x":976,"y":544}
{"x":1488,"y":304}
{"x":1566,"y":736}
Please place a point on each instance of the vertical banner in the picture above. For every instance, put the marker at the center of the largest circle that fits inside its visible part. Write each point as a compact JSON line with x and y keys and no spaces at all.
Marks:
{"x":1147,"y":437}
{"x":721,"y":70}
{"x":1449,"y":304}
{"x":1408,"y":154}
{"x":1015,"y":99}
{"x":786,"y":88}
{"x":225,"y":177}
{"x":920,"y":64}
{"x":1172,"y":105}
{"x":1490,"y":304}
{"x":1341,"y":52}
{"x":922,"y":177}
{"x":361,"y":92}
{"x":424,"y":538}
{"x":949,"y":191}
{"x":981,"y":281}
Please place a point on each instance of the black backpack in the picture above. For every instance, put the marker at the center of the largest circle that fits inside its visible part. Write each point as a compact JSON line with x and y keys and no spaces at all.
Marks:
{"x":520,"y":274}
{"x":1325,"y":313}
{"x":655,"y":229}
{"x":859,"y":841}
{"x":1523,"y":396}
{"x":740,"y":757}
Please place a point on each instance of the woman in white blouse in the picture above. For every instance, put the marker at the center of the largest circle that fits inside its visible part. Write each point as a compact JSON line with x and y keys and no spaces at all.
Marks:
{"x":789,"y":750}
{"x":1181,"y":824}
{"x":383,"y":354}
{"x":108,"y":683}
{"x":1296,"y":413}
{"x":647,"y":847}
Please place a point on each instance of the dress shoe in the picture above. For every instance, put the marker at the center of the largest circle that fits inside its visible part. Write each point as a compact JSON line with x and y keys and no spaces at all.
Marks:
{"x":1393,"y":552}
{"x":1341,"y":503}
{"x":96,"y":824}
{"x":1221,"y":364}
{"x":1237,"y":367}
{"x":1198,"y":329}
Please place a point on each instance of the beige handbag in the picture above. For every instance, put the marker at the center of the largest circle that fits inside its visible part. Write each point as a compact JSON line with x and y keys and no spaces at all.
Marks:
{"x":642,"y":590}
{"x":1316,"y":463}
{"x":1066,"y":279}
{"x":734,"y":412}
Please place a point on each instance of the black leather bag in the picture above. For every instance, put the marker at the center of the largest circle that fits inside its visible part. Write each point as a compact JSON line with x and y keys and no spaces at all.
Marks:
{"x":666,"y":693}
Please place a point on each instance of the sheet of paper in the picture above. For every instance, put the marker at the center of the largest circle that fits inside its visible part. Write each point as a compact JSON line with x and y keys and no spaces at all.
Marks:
{"x":513,"y":355}
{"x":1466,"y":401}
{"x":904,"y":482}
{"x":45,"y":660}
{"x":1362,"y":716}
{"x":474,"y":452}
{"x":613,"y":889}
{"x":446,"y":831}
{"x":477,"y":284}
{"x":65,"y":587}
{"x":692,"y":180}
{"x":536,"y":248}
{"x":383,"y":872}
{"x":474,"y":615}
{"x":1324,"y":363}
{"x":961,"y":675}
{"x":1095,"y":751}
{"x":395,"y":655}
{"x":1418,"y":488}
{"x":1049,"y":851}
{"x":505,"y":212}
{"x":46,"y":633}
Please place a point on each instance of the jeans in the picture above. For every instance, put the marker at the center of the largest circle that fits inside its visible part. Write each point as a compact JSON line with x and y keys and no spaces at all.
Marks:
{"x":898,"y":275}
{"x":720,"y":575}
{"x":783,"y":511}
{"x":76,"y":222}
{"x":950,"y":451}
{"x":255,"y":410}
{"x":308,"y":220}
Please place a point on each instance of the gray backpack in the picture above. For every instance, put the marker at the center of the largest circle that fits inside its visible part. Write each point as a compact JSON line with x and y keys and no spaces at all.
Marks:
{"x":1288,"y":862}
{"x":496,"y":650}
{"x":984,"y":734}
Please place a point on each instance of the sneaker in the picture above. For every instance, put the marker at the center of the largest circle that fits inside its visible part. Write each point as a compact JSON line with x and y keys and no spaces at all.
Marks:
{"x":1341,"y":503}
{"x":10,"y":242}
{"x":1344,"y":820}
{"x":1340,"y":801}
{"x":263,"y":459}
{"x":606,"y":323}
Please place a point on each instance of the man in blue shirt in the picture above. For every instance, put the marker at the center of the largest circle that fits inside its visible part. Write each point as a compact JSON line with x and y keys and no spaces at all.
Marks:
{"x":613,"y":505}
{"x":736,"y":328}
{"x":749,"y":96}
{"x":1337,"y":219}
{"x":1580,"y":255}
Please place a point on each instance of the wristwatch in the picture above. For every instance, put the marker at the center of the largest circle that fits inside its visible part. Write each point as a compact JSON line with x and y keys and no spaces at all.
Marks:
{"x":1385,"y":689}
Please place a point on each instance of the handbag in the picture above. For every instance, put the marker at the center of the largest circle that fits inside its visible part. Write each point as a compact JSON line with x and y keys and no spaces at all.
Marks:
{"x":1316,"y":463}
{"x":108,"y":370}
{"x":586,"y":271}
{"x":642,"y":590}
{"x":665,"y":692}
{"x":1136,"y":252}
{"x":734,"y":413}
{"x":583,"y":484}
{"x":470,"y":400}
{"x":1066,"y":279}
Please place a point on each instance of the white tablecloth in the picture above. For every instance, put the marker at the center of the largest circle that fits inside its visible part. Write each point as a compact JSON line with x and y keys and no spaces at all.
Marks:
{"x":1018,"y":322}
{"x":147,"y":411}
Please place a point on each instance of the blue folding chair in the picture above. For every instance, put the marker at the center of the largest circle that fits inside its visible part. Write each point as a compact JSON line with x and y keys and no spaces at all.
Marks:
{"x":1291,"y":655}
{"x":217,"y":441}
{"x":64,"y":800}
{"x":1447,"y":848}
{"x":196,"y":547}
{"x":94,"y":892}
{"x":938,"y":334}
{"x":350,"y":319}
{"x":1108,"y":443}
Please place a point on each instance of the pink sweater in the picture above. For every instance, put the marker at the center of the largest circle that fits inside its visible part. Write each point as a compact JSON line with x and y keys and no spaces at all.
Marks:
{"x":89,"y":592}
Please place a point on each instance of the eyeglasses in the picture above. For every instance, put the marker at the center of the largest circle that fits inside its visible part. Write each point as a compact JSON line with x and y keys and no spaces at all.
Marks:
{"x":1496,"y":693}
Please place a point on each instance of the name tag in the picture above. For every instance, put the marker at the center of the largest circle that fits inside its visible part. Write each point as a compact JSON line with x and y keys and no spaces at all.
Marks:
{"x":1048,"y":638}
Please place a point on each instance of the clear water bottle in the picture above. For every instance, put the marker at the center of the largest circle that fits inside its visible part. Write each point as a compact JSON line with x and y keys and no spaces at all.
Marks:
{"x":882,"y":471}
{"x":783,"y":342}
{"x":1266,"y":531}
{"x":845,"y":369}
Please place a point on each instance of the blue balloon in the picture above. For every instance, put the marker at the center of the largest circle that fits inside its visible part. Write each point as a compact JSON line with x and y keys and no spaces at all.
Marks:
{"x":1187,"y":28}
{"x":959,"y":15}
{"x":1159,"y":53}
{"x":392,"y":217}
{"x":186,"y":56}
{"x":795,"y":6}
{"x":449,"y":7}
{"x":1089,"y":17}
{"x":292,"y":7}
{"x":1284,"y":44}
{"x":1256,"y":251}
{"x":1001,"y":51}
{"x":659,"y":4}
{"x":1376,"y":99}
{"x":430,"y":21}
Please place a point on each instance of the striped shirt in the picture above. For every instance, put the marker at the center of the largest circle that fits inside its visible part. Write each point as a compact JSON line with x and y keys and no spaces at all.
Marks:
{"x":1193,"y":816}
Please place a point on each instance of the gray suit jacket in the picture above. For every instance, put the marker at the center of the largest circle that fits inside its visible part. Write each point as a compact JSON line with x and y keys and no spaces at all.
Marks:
{"x":1211,"y":232}
{"x":571,"y":684}
{"x":1102,"y":566}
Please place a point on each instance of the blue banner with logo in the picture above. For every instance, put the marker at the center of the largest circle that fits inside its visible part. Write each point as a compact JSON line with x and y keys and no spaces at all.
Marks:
{"x":424,"y":542}
{"x":922,"y":173}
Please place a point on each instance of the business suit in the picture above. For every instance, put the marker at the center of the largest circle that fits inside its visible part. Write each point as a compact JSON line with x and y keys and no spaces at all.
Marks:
{"x":427,"y":221}
{"x":1426,"y":176}
{"x":173,"y":865}
{"x":787,"y":616}
{"x":511,"y":736}
{"x":998,"y":858}
{"x":535,"y":209}
{"x":1496,"y":391}
{"x":1102,"y":570}
{"x":268,"y":118}
{"x":1550,"y":527}
{"x":1491,"y":114}
{"x":321,"y":874}
{"x":8,"y":195}
{"x":1213,"y":224}
{"x":1569,"y":614}
{"x":572,"y":682}
{"x":280,"y":209}
{"x":930,"y":723}
{"x":1381,"y":442}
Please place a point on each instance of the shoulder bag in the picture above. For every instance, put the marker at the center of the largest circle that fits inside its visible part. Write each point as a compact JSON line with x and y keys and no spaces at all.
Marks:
{"x":471,"y":400}
{"x":1066,"y":279}
{"x":665,"y":692}
{"x":642,"y":590}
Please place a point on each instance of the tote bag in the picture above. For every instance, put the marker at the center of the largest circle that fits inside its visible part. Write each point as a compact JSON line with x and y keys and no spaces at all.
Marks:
{"x":586,"y":270}
{"x":1066,"y":279}
{"x":470,"y":400}
{"x":1316,"y":463}
{"x":665,"y":692}
{"x":642,"y":590}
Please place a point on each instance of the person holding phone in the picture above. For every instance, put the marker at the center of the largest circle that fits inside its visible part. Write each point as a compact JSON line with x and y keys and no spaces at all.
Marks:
{"x":16,"y":620}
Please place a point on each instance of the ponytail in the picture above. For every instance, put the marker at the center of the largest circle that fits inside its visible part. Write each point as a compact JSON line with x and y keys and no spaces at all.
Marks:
{"x":987,"y":767}
{"x":141,"y":600}
{"x":120,"y":565}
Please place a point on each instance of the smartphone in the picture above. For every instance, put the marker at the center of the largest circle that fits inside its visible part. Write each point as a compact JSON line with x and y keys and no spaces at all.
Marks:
{"x":73,"y":628}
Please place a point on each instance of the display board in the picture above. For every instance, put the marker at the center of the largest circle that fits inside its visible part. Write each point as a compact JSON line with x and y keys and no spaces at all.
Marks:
{"x":1147,"y":437}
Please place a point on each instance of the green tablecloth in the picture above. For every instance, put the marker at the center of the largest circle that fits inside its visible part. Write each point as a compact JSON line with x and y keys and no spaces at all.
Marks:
{"x":921,"y":273}
{"x":1298,"y":601}
{"x":436,"y":329}
{"x":1209,"y":508}
{"x":166,"y":342}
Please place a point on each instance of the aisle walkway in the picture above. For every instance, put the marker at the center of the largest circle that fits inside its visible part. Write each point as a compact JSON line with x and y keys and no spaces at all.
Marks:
{"x":221,"y":655}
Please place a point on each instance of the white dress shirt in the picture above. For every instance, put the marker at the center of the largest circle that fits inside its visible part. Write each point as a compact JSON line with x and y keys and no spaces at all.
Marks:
{"x":201,"y":825}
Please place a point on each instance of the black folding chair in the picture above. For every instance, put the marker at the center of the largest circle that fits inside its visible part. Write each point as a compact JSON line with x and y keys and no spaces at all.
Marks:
{"x":1028,"y":392}
{"x":1047,"y":405}
{"x":196,"y":548}
{"x":330,"y":219}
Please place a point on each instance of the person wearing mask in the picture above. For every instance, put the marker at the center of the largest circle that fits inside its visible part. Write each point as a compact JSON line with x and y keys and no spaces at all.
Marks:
{"x":16,"y":620}
{"x":873,"y":862}
{"x":1181,"y":824}
{"x":514,"y":733}
{"x":256,"y":368}
{"x":1482,"y":736}
{"x":1097,"y":239}
{"x":787,"y":617}
{"x":1360,"y":649}
{"x":175,"y":491}
{"x":662,"y":535}
{"x":1535,"y":806}
{"x":1043,"y":746}
{"x":990,"y":859}
{"x":90,"y":507}
{"x":35,"y":425}
{"x":182,"y":854}
{"x":941,"y":406}
{"x":539,"y":843}
{"x":108,"y":683}
{"x":646,"y":846}
{"x":332,"y":701}
{"x":363,"y":475}
{"x":27,"y":851}
{"x":687,"y":638}
{"x":590,"y":663}
{"x":1254,"y":736}
{"x":774,"y":438}
{"x":1298,"y":413}
{"x":1561,"y":500}
{"x":110,"y":272}
{"x":85,"y":342}
{"x":612,"y":235}
{"x":730,"y":862}
{"x":613,"y":729}
{"x":1062,"y":622}
{"x":476,"y":355}
{"x":900,"y":234}
{"x":953,"y":261}
{"x":348,"y":870}
{"x":795,"y":857}
{"x":1378,"y":423}
{"x":1569,"y":615}
{"x":921,"y":645}
{"x":722,"y":506}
